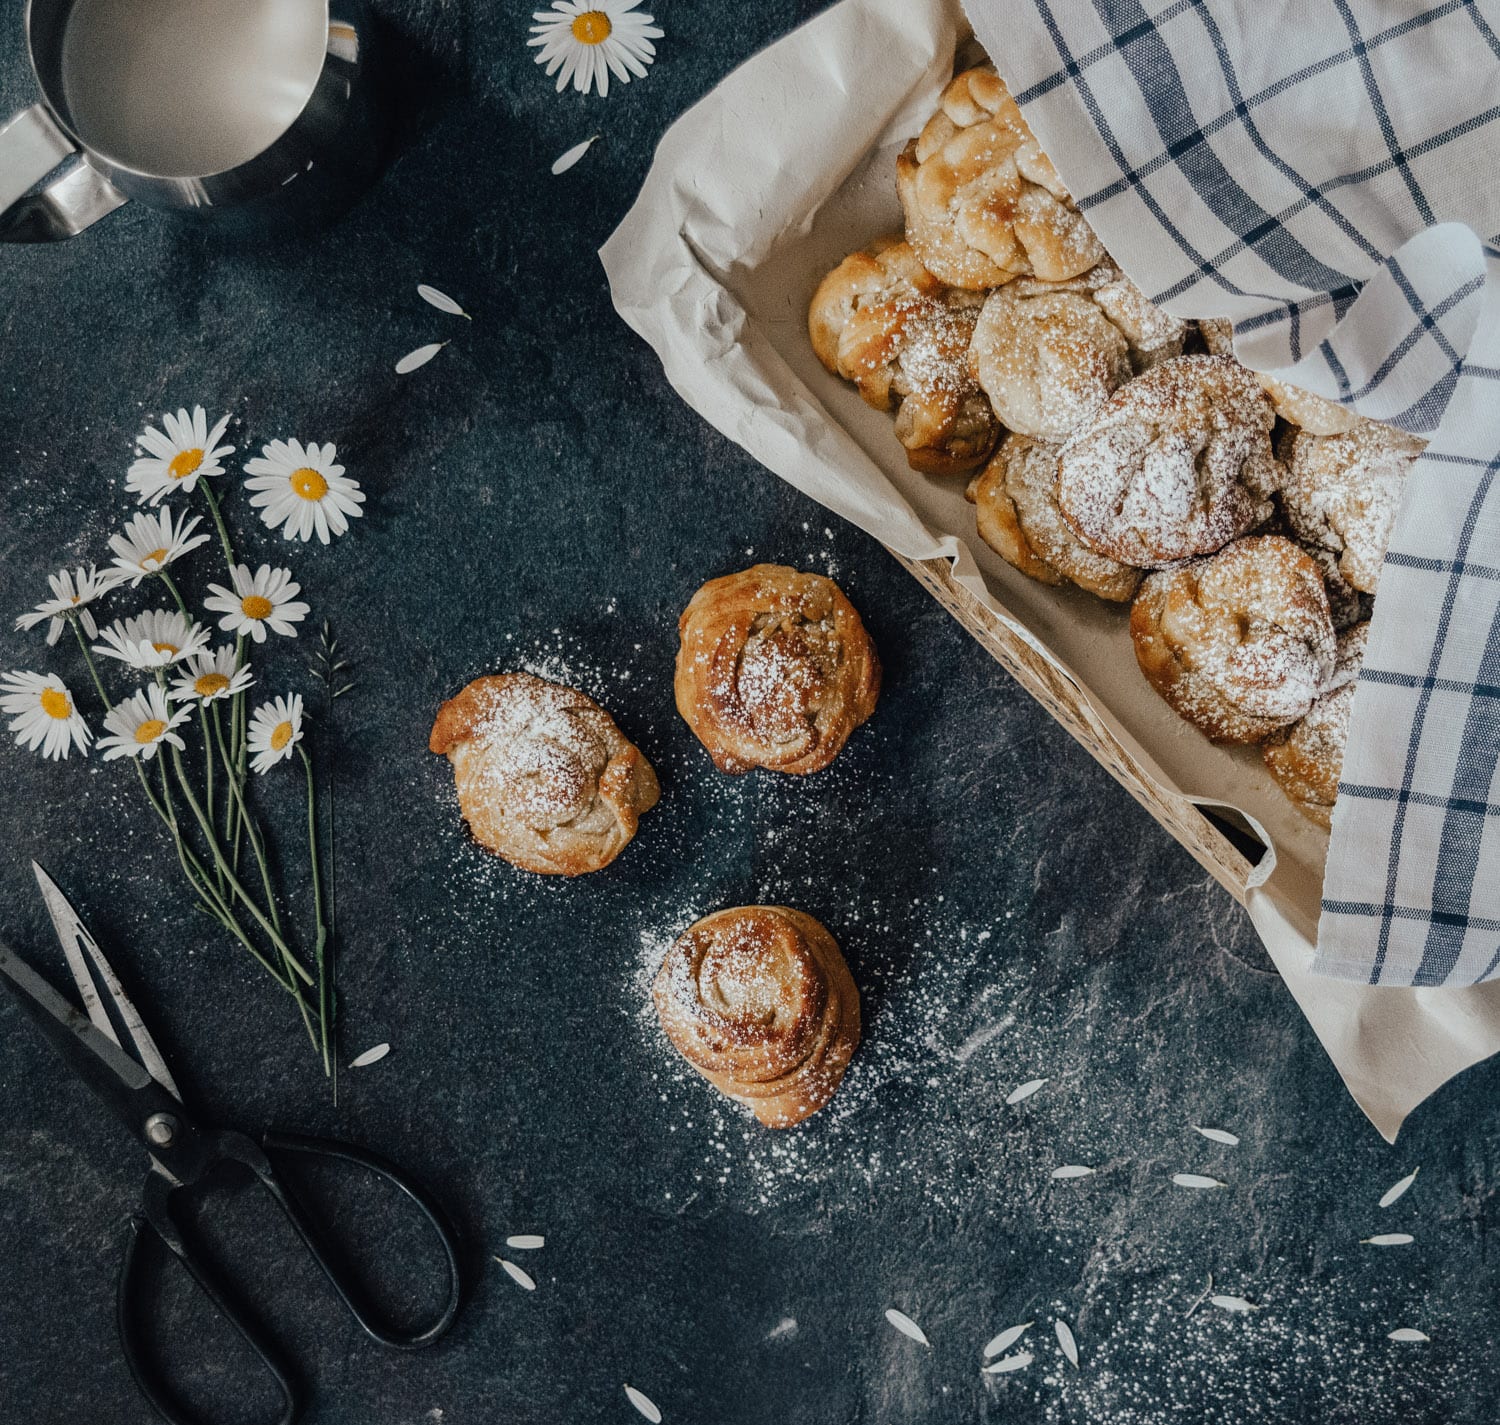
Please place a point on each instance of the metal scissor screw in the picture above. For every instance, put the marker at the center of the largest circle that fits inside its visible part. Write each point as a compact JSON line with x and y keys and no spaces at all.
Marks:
{"x":161,"y":1129}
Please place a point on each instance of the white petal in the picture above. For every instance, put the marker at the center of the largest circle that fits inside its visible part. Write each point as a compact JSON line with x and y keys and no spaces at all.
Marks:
{"x":1233,"y":1303}
{"x":521,"y":1279}
{"x":644,"y":1404}
{"x":565,"y":161}
{"x":1218,"y":1135}
{"x":370,"y":1056}
{"x":1025,"y":1091}
{"x":1407,"y":1333}
{"x":1006,"y":1339}
{"x":420,"y":357}
{"x":1196,"y":1180}
{"x":1397,"y":1189}
{"x":1388,"y":1239}
{"x":1066,"y":1340}
{"x":441,"y":300}
{"x":526,"y":1242}
{"x":1018,"y":1362}
{"x":1072,"y":1170}
{"x":905,"y":1325}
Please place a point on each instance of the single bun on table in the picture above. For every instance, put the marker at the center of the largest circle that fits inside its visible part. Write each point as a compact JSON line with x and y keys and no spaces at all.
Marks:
{"x":1315,"y":414}
{"x":1239,"y":644}
{"x":774,"y":670}
{"x":1015,"y":507}
{"x":983,"y":203}
{"x":759,"y":1001}
{"x":545,"y":779}
{"x":1343,"y":492}
{"x":1307,"y":757}
{"x":882,"y":321}
{"x":1048,"y":353}
{"x":1175,"y":464}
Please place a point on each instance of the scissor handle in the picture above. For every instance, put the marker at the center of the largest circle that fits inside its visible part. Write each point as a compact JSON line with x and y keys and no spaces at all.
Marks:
{"x":236,"y":1147}
{"x":348,"y":1289}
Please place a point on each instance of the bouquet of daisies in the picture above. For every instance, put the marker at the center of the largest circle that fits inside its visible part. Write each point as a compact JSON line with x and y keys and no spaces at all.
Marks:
{"x":163,"y":684}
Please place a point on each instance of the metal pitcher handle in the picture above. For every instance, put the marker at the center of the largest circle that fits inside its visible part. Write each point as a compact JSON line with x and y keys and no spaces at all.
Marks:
{"x":31,"y":146}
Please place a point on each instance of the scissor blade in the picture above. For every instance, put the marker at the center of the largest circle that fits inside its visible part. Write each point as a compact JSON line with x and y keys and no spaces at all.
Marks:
{"x":76,"y":942}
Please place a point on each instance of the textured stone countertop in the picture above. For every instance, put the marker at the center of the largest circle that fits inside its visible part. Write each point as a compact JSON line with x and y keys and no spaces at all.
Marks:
{"x":538,"y":497}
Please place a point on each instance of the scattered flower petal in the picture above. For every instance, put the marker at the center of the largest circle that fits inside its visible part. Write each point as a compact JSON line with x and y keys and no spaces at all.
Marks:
{"x":1072,"y":1170}
{"x":1025,"y":1091}
{"x":905,"y":1325}
{"x":442,"y":301}
{"x":370,"y":1056}
{"x":420,"y":357}
{"x":1388,"y":1239}
{"x":566,"y":160}
{"x":1006,"y":1339}
{"x":1219,"y":1135}
{"x":1017,"y":1362}
{"x":1067,"y":1341}
{"x":1233,"y":1303}
{"x":521,"y":1279}
{"x":1407,"y":1333}
{"x":1398,"y":1189}
{"x":644,"y":1404}
{"x":1196,"y":1180}
{"x":526,"y":1243}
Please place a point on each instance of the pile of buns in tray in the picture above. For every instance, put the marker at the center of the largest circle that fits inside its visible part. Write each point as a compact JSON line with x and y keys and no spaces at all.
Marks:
{"x":1113,"y":446}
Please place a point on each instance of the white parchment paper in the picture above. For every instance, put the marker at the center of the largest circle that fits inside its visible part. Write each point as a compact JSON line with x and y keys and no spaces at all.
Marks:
{"x":755,"y":193}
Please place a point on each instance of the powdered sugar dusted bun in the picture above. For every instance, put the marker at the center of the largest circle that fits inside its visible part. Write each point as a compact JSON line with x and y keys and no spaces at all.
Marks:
{"x":545,"y":779}
{"x":775,"y":670}
{"x":882,"y":321}
{"x":1015,"y":507}
{"x":983,"y":203}
{"x":1316,"y":414}
{"x":1175,"y":464}
{"x":1240,"y":643}
{"x":1048,"y":353}
{"x":1343,"y":492}
{"x":1306,"y":758}
{"x":759,"y":1000}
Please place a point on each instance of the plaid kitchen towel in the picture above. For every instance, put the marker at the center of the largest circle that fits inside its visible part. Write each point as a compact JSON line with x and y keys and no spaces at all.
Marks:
{"x":1327,"y":173}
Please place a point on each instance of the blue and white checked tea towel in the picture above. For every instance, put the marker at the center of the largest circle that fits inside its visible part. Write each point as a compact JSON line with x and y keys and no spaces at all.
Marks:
{"x":1327,"y":173}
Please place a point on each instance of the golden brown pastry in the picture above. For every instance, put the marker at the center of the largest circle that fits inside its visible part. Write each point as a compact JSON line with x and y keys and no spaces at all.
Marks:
{"x":774,"y":670}
{"x":1240,"y":643}
{"x":759,"y":1001}
{"x":1343,"y":492}
{"x":545,"y":778}
{"x":1315,"y":414}
{"x":983,"y":203}
{"x":1306,"y":758}
{"x":882,"y":321}
{"x":1015,"y":507}
{"x":1175,"y":464}
{"x":1048,"y":353}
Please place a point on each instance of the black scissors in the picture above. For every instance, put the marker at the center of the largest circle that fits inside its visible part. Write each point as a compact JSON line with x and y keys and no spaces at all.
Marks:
{"x":144,"y":1098}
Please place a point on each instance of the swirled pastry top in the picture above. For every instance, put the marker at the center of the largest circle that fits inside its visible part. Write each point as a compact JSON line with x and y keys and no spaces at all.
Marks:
{"x":882,"y":321}
{"x":759,"y":1001}
{"x":545,"y":779}
{"x":1048,"y":353}
{"x":1015,"y":508}
{"x":775,"y":669}
{"x":1344,"y":491}
{"x":1240,"y":643}
{"x":983,"y":203}
{"x":1175,"y":464}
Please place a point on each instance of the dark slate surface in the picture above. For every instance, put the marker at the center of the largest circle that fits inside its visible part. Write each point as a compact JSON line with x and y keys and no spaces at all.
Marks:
{"x":539,"y":497}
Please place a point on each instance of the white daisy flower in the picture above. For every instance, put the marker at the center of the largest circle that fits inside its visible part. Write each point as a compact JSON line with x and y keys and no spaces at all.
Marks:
{"x":175,"y":460}
{"x":209,"y":677}
{"x":151,"y":542}
{"x":275,"y":729}
{"x":43,"y":714}
{"x":299,"y":486}
{"x":153,"y":640}
{"x":263,"y":600}
{"x":72,"y":591}
{"x":586,"y":40}
{"x":139,"y":725}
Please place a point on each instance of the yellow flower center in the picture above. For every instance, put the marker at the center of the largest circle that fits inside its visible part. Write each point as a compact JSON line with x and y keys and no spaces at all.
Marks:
{"x":280,"y":736}
{"x":591,"y":28}
{"x":55,"y":704}
{"x":210,"y":685}
{"x":150,"y":730}
{"x":184,"y":463}
{"x":309,"y":483}
{"x":256,"y":606}
{"x":170,"y":649}
{"x":155,"y":559}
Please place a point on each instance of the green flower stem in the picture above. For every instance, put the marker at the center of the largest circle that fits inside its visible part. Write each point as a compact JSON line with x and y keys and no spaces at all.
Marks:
{"x":256,"y":844}
{"x":213,"y":509}
{"x":208,"y":753}
{"x":224,"y":914}
{"x":322,"y":960}
{"x":235,"y":885}
{"x":238,"y":721}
